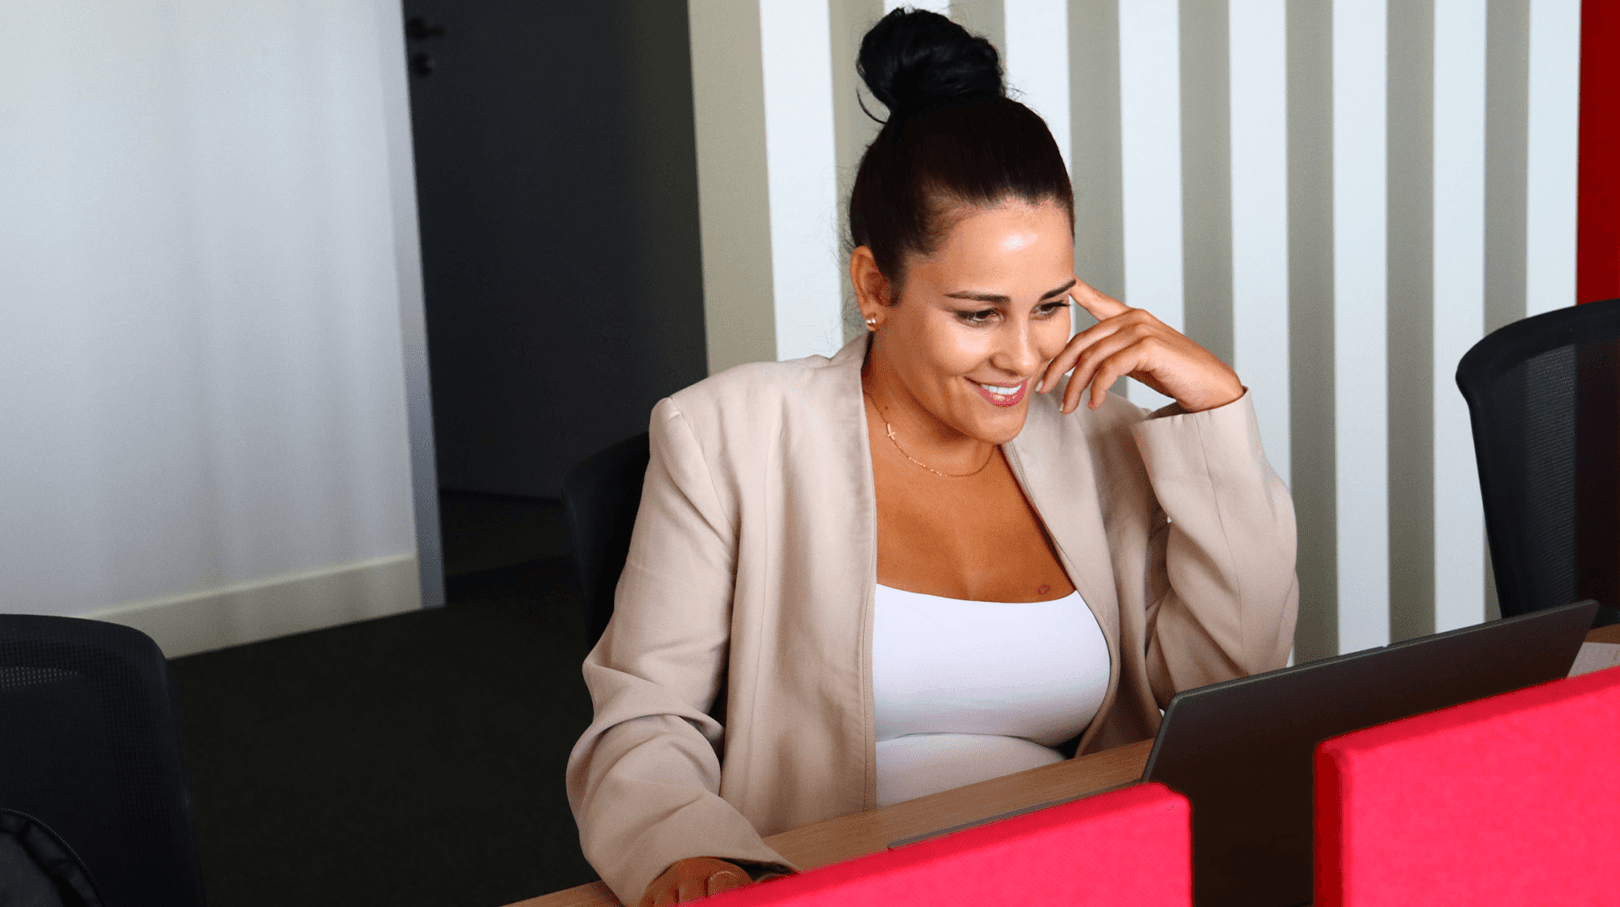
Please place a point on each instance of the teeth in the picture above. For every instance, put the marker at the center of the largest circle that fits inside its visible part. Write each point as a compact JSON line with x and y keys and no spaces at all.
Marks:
{"x":1000,"y":391}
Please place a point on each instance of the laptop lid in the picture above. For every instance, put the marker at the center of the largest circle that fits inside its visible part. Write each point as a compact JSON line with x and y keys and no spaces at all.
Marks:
{"x":1241,"y":751}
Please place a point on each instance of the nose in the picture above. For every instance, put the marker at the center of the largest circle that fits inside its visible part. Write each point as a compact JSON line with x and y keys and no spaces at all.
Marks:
{"x":1017,"y":353}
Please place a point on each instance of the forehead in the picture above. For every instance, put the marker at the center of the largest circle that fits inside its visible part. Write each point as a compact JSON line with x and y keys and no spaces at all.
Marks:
{"x":1016,"y":242}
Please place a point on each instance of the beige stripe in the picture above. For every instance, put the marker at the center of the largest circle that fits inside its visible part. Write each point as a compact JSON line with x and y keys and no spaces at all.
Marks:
{"x":1099,"y":249}
{"x":853,"y":129}
{"x":1507,"y":107}
{"x":728,"y":101}
{"x":986,"y":18}
{"x":1206,"y":176}
{"x":1310,"y":291}
{"x":1411,"y":307}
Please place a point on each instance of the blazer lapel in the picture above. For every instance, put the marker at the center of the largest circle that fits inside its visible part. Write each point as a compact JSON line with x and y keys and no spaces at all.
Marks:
{"x":852,"y":507}
{"x":1054,"y":468}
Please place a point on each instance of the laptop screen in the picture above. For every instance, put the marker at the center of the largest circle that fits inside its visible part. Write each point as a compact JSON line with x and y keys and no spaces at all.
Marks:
{"x":1241,"y":750}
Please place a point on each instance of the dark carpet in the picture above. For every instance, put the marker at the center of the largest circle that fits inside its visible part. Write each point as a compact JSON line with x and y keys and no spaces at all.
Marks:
{"x":411,"y":760}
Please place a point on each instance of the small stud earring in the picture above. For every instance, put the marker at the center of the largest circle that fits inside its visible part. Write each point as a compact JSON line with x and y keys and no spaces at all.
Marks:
{"x":871,"y":322}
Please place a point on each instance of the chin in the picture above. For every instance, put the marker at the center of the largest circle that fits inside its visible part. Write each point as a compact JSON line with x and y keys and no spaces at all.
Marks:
{"x":1003,"y":430}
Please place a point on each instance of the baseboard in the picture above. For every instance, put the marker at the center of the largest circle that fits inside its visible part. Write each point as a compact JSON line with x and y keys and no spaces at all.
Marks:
{"x":279,"y":606}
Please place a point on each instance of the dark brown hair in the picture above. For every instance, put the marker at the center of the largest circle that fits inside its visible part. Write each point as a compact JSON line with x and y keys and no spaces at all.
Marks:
{"x":953,"y":140}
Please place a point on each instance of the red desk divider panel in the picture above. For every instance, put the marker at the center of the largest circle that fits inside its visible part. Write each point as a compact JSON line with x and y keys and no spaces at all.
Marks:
{"x":1501,"y":801}
{"x":1131,"y":847}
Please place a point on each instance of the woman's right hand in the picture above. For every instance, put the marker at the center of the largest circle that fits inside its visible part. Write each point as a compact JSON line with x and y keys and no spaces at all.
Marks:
{"x":693,"y":878}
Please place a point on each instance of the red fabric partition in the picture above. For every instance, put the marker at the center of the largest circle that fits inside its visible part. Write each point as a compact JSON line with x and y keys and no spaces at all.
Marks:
{"x":1598,"y":265}
{"x":1501,"y":801}
{"x":1129,"y":847}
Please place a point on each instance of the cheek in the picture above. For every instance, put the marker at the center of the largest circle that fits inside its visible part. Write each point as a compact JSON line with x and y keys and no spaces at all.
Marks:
{"x":951,"y":351}
{"x":1053,"y":337}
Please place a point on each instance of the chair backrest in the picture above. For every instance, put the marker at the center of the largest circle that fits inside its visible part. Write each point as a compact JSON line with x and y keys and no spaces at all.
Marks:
{"x":1493,"y":802}
{"x":600,"y":496}
{"x":90,"y":746}
{"x":1131,"y":846}
{"x":1544,"y":397}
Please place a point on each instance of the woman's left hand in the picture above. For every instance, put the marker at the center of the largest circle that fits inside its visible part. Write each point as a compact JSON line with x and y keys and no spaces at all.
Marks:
{"x":1131,"y":342}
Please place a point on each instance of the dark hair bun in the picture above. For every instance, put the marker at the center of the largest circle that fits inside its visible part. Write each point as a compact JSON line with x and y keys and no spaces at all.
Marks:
{"x":914,"y":61}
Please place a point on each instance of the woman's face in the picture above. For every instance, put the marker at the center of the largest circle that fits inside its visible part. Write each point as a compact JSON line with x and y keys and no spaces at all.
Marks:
{"x":976,"y":322}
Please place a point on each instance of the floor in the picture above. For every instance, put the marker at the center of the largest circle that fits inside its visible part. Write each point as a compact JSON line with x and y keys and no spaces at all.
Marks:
{"x":488,"y":531}
{"x":414,"y":760}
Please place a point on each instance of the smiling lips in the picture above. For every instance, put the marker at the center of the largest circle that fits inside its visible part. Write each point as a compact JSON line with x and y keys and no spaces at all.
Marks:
{"x":1001,"y":395}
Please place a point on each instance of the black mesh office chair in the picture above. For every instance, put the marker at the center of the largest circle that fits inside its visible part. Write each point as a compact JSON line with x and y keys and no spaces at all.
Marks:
{"x":1544,"y":397}
{"x":600,"y":497}
{"x":90,"y":748}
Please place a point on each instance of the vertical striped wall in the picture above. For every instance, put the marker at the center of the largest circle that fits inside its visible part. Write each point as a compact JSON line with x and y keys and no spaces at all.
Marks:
{"x":1338,"y":196}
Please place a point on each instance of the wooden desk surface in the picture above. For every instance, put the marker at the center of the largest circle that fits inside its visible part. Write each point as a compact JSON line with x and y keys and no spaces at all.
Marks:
{"x":855,"y":835}
{"x":1610,"y":633}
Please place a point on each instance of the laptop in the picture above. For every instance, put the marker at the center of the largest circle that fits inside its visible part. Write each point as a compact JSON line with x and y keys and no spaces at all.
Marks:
{"x":1241,"y":750}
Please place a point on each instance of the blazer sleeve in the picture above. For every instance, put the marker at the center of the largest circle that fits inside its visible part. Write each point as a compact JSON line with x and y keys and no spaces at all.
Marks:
{"x":1223,"y":594}
{"x":644,"y":779}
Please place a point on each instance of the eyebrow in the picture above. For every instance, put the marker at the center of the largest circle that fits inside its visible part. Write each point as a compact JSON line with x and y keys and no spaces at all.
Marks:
{"x":998,"y":299}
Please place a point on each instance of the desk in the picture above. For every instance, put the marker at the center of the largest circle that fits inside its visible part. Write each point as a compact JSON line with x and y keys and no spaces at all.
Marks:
{"x":846,"y":837}
{"x":855,"y":835}
{"x":1610,"y":633}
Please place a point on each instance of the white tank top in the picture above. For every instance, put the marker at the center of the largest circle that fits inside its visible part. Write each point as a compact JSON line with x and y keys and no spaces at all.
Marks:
{"x":965,"y":691}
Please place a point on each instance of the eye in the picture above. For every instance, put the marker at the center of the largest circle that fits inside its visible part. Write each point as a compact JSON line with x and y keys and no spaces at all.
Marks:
{"x":1052,"y":308}
{"x":980,"y":317}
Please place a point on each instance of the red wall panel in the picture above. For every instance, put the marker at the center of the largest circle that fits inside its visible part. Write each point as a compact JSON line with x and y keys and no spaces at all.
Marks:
{"x":1598,"y":253}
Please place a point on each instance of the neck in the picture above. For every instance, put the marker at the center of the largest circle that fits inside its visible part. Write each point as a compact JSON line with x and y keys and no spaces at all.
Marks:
{"x":917,"y":434}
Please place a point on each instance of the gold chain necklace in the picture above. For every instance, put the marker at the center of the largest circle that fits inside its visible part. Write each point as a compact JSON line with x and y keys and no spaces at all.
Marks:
{"x":889,"y":429}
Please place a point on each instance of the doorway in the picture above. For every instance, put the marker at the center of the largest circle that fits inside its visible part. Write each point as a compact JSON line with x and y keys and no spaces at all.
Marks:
{"x":556,"y":182}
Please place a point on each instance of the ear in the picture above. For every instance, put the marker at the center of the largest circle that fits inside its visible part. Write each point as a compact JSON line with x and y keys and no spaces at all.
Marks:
{"x":873,"y":293}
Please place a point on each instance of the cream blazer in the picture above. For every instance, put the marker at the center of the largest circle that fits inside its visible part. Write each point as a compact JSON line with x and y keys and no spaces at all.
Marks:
{"x":733,"y":687}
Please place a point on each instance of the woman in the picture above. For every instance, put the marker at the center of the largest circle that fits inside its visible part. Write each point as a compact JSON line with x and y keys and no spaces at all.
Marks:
{"x":920,"y":563}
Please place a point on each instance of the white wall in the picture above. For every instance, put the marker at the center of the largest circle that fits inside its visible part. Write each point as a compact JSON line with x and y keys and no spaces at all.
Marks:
{"x":1339,"y":195}
{"x":202,"y":262}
